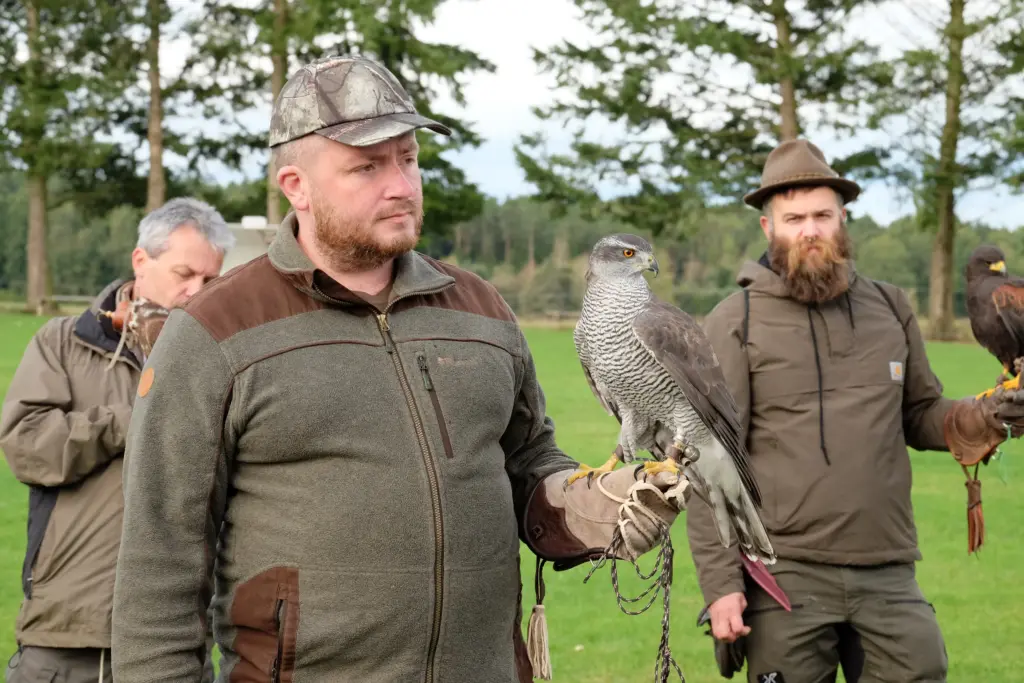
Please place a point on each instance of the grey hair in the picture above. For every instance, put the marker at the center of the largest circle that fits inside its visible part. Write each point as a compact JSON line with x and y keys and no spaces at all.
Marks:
{"x":156,"y":227}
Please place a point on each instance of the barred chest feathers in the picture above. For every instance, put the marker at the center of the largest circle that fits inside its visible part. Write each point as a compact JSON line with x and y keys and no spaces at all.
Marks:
{"x":616,"y":358}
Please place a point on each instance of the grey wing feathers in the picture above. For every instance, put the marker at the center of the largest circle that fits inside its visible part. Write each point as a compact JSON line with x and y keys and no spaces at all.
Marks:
{"x":679,"y":345}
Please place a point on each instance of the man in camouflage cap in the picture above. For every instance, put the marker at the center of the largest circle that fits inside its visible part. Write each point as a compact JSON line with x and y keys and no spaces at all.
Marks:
{"x":365,"y":427}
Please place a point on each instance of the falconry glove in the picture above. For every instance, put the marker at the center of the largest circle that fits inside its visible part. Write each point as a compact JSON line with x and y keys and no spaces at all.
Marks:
{"x":568,"y":524}
{"x":974,"y":428}
{"x":139,"y":322}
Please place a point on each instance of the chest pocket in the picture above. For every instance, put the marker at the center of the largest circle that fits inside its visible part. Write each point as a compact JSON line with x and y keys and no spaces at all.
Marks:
{"x":468,"y":389}
{"x":779,"y":368}
{"x":787,"y":386}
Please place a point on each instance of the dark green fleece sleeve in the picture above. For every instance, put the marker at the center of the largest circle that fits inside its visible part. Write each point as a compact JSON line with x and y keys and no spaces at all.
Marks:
{"x":174,"y":476}
{"x":529,"y":439}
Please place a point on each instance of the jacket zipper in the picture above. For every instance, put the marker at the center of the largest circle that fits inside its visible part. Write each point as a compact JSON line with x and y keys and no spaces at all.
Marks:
{"x":429,"y":464}
{"x":435,"y":493}
{"x":275,"y":671}
{"x":428,"y":384}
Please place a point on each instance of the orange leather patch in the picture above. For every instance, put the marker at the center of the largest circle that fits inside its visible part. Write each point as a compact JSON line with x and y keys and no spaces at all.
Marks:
{"x":146,"y":381}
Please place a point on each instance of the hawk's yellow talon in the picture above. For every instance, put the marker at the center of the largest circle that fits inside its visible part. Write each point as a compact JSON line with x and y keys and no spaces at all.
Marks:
{"x":669,"y":466}
{"x":587,"y":470}
{"x":1008,"y":385}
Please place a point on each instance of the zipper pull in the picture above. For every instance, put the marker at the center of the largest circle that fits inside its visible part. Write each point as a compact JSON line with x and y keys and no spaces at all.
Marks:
{"x":382,"y":321}
{"x":422,"y":361}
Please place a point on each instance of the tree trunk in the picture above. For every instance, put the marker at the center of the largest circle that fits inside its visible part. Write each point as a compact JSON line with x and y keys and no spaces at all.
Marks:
{"x":279,"y":59}
{"x":940,"y":295}
{"x":156,"y":189}
{"x":38,"y":278}
{"x":460,"y":232}
{"x":560,"y":249}
{"x":38,"y":281}
{"x":790,"y":126}
{"x":531,"y":247}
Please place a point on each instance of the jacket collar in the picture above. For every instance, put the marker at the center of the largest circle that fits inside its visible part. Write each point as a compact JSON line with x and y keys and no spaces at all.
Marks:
{"x":413,"y":273}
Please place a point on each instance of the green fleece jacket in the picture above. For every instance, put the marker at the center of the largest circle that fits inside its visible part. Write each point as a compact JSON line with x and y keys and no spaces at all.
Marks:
{"x":368,"y":472}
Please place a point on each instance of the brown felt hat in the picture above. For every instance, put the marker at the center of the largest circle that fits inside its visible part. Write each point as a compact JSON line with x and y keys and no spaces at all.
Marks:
{"x":799,"y":163}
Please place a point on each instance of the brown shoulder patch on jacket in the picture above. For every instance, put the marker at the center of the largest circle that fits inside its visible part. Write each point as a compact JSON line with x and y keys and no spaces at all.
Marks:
{"x":265,"y":614}
{"x":471,"y":294}
{"x":251,"y":295}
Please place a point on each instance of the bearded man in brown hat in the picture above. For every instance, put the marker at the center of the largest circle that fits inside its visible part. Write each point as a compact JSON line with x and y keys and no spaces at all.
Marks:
{"x":830,"y":373}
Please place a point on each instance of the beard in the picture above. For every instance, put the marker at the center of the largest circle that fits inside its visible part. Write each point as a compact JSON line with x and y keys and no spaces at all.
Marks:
{"x":812,"y":276}
{"x":351,"y":244}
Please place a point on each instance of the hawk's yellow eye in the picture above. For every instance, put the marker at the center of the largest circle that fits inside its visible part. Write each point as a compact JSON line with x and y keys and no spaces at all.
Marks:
{"x":628,"y":253}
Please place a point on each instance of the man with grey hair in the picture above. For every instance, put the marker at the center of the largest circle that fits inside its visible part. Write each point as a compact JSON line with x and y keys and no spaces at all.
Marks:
{"x":181,"y":247}
{"x":62,"y":430}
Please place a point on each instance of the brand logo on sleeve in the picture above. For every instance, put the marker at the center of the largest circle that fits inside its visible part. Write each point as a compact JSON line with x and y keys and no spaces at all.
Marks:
{"x":896,"y":371}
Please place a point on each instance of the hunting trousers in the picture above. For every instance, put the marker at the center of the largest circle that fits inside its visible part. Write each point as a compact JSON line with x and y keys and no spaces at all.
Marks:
{"x":67,"y":665}
{"x":874,"y":621}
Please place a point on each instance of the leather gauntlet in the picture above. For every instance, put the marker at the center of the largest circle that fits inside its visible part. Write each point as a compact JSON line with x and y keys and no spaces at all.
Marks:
{"x":570,"y":524}
{"x":973,"y":429}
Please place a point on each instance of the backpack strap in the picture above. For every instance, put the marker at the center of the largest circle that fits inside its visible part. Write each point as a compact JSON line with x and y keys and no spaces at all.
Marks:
{"x":892,"y":307}
{"x":746,"y":316}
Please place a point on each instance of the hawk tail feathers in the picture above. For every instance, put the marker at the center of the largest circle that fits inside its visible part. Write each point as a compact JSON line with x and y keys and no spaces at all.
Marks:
{"x":736,"y":516}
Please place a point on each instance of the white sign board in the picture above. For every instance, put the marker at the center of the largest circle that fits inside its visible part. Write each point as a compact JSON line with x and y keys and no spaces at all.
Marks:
{"x":250,"y":243}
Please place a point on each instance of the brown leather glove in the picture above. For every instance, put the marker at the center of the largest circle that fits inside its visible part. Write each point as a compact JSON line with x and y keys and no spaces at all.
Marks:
{"x":570,"y":524}
{"x":973,"y":429}
{"x":567,"y":524}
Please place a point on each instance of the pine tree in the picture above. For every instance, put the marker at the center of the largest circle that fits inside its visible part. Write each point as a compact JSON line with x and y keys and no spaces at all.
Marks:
{"x":701,"y":91}
{"x":65,"y":66}
{"x":955,"y":113}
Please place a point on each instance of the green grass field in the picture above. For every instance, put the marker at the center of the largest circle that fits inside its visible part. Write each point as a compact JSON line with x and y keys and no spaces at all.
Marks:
{"x":979,"y":600}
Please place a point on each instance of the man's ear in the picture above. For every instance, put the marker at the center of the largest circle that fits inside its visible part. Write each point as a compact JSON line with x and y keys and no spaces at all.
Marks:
{"x":293,"y":184}
{"x":766,"y":227}
{"x":139,"y":260}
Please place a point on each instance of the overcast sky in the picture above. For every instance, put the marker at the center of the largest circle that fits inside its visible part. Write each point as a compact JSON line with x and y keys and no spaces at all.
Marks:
{"x":498,"y":104}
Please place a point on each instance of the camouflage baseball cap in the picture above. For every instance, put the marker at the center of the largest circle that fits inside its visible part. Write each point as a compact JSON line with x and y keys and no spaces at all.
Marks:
{"x":348,"y":99}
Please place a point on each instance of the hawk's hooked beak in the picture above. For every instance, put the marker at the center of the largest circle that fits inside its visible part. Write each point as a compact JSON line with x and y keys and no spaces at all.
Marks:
{"x":998,"y":267}
{"x":652,"y":265}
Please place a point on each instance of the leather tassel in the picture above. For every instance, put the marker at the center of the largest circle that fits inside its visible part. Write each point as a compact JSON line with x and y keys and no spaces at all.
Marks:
{"x":537,"y":645}
{"x":975,"y":518}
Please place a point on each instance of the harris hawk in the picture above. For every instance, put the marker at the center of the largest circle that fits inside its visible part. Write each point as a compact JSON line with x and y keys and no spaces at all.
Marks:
{"x":995,"y":307}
